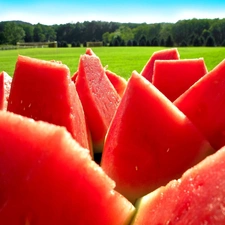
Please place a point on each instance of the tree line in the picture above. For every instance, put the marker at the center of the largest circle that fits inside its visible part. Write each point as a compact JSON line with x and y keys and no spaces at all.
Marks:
{"x":192,"y":32}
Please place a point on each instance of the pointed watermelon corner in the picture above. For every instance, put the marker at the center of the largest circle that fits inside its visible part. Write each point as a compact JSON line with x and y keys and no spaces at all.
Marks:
{"x":164,"y":54}
{"x":43,"y":90}
{"x":203,"y":104}
{"x":174,"y":77}
{"x":149,"y":141}
{"x":98,"y":97}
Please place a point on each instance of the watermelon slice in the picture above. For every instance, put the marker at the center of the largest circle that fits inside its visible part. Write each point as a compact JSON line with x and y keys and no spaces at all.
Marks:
{"x":6,"y":80}
{"x":197,"y":198}
{"x":174,"y":77}
{"x":203,"y":103}
{"x":98,"y":96}
{"x":74,"y":77}
{"x":43,"y":90}
{"x":46,"y":177}
{"x":149,"y":141}
{"x":2,"y":93}
{"x":164,"y":54}
{"x":117,"y":81}
{"x":89,"y":51}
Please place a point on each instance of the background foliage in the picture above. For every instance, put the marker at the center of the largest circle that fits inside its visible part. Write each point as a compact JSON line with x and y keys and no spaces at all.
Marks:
{"x":192,"y":32}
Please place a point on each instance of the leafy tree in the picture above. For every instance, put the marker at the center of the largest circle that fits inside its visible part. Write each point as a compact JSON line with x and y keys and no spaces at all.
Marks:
{"x":105,"y":37}
{"x":223,"y":43}
{"x":129,"y":43}
{"x":73,"y":44}
{"x":162,"y":42}
{"x":148,"y":43}
{"x":117,"y":41}
{"x":183,"y":44}
{"x":169,"y":42}
{"x":197,"y":42}
{"x":38,"y":33}
{"x":126,"y":33}
{"x":29,"y":32}
{"x":13,"y":33}
{"x":142,"y":41}
{"x":210,"y":42}
{"x":135,"y":43}
{"x":205,"y":34}
{"x":155,"y":42}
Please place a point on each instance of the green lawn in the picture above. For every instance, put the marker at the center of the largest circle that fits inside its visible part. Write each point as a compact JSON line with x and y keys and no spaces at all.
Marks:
{"x":121,"y":60}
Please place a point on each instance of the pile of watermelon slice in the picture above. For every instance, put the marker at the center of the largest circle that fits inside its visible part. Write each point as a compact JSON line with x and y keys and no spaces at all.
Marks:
{"x":93,"y":148}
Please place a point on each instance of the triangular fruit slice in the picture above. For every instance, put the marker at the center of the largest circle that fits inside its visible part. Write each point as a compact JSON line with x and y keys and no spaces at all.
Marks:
{"x":46,"y":177}
{"x":203,"y":104}
{"x":165,"y":54}
{"x":117,"y":81}
{"x":149,"y":141}
{"x":89,"y":51}
{"x":196,"y":198}
{"x":2,"y":92}
{"x":174,"y":77}
{"x":98,"y":96}
{"x":43,"y":90}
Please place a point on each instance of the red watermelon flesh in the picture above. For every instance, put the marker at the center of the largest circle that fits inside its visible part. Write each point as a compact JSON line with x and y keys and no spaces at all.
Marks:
{"x":43,"y":90}
{"x":46,"y":177}
{"x":117,"y":81}
{"x":149,"y":141}
{"x":89,"y":51}
{"x":196,"y":198}
{"x":203,"y":103}
{"x":98,"y":96}
{"x":74,"y":76}
{"x":165,"y":54}
{"x":2,"y":94}
{"x":6,"y":80}
{"x":174,"y":77}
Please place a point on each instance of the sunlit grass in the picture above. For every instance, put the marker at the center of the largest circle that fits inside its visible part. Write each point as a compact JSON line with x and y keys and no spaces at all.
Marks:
{"x":121,"y":60}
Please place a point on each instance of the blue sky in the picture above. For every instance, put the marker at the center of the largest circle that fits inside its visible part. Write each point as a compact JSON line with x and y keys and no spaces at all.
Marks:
{"x":137,"y":11}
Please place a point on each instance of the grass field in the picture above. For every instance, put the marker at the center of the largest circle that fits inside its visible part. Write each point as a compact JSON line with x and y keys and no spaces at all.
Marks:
{"x":121,"y":60}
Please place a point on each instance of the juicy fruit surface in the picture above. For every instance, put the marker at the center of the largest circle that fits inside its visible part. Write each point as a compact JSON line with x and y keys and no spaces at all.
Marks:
{"x":46,"y":177}
{"x":196,"y":198}
{"x":148,"y":69}
{"x":2,"y":94}
{"x":149,"y":141}
{"x":44,"y":91}
{"x":174,"y":77}
{"x":98,"y":96}
{"x":6,"y":81}
{"x":203,"y":103}
{"x":71,"y":183}
{"x":118,"y":82}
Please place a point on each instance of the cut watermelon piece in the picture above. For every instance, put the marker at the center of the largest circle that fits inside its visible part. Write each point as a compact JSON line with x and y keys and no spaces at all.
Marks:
{"x":164,"y":54}
{"x":197,"y":198}
{"x":174,"y":77}
{"x":89,"y":51}
{"x":2,"y":93}
{"x":117,"y":81}
{"x":149,"y":141}
{"x":74,"y":77}
{"x":203,"y":103}
{"x":6,"y":80}
{"x":43,"y":90}
{"x":46,"y":177}
{"x":98,"y":96}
